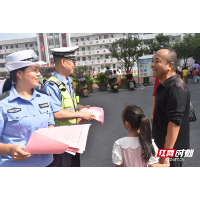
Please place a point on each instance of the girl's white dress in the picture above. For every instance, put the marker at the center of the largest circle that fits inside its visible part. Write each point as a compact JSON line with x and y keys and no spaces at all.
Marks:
{"x":127,"y":151}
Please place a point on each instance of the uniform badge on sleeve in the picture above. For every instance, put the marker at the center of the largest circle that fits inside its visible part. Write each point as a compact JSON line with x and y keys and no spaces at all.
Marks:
{"x":14,"y":110}
{"x":44,"y":105}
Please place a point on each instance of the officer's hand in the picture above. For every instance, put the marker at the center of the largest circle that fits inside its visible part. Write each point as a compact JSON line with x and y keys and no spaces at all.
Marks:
{"x":87,"y":106}
{"x":87,"y":116}
{"x":17,"y":152}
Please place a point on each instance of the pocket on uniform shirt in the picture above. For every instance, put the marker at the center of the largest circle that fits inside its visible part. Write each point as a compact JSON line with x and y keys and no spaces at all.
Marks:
{"x":14,"y":123}
{"x":45,"y":110}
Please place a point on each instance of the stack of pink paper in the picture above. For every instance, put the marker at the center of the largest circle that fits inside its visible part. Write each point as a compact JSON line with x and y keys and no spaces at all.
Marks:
{"x":57,"y":140}
{"x":98,"y":112}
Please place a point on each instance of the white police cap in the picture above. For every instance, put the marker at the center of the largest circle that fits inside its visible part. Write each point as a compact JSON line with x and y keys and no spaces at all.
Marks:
{"x":65,"y":52}
{"x":22,"y":59}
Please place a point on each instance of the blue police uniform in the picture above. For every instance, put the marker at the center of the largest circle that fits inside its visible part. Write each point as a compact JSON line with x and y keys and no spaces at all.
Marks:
{"x":65,"y":159}
{"x":53,"y":89}
{"x":19,"y":118}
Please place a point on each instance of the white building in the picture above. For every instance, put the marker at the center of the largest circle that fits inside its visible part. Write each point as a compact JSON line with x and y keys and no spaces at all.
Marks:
{"x":10,"y":46}
{"x":93,"y":47}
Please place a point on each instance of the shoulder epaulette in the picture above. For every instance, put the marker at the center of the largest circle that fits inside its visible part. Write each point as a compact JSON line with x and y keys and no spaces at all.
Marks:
{"x":4,"y":95}
{"x":40,"y":91}
{"x":58,"y":82}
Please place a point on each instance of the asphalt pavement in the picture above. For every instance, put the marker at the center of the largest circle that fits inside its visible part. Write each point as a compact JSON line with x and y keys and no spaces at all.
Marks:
{"x":101,"y":138}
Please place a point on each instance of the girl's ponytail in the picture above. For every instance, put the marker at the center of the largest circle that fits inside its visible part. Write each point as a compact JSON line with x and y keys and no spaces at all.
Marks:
{"x":145,"y":138}
{"x":7,"y":85}
{"x":134,"y":115}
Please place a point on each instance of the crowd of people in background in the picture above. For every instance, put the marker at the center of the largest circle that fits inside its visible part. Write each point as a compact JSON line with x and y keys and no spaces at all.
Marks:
{"x":192,"y":71}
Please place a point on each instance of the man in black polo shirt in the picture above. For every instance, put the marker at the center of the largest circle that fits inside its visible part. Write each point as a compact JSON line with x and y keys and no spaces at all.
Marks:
{"x":170,"y":127}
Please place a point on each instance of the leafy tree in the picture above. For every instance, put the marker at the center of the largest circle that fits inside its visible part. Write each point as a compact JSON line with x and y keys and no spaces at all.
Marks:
{"x":161,"y":41}
{"x":185,"y":48}
{"x":196,"y":45}
{"x":82,"y":72}
{"x":127,"y":51}
{"x":107,"y":65}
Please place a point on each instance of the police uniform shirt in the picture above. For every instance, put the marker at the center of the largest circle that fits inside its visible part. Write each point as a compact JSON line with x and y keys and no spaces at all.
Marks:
{"x":19,"y":118}
{"x":53,"y":89}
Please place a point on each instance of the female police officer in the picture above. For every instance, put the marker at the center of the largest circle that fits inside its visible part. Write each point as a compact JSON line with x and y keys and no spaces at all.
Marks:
{"x":23,"y":110}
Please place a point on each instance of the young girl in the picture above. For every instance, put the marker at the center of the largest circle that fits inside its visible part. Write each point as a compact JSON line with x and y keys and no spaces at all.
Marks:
{"x":194,"y":75}
{"x":137,"y":149}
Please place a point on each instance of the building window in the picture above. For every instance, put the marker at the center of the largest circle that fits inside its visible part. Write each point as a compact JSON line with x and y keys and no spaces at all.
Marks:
{"x":97,"y":58}
{"x":77,"y":50}
{"x":107,"y":56}
{"x":82,"y":39}
{"x":112,"y":36}
{"x":102,"y":67}
{"x":57,"y":41}
{"x":31,"y":45}
{"x":83,"y":58}
{"x":26,"y":45}
{"x":88,"y":48}
{"x":63,"y":41}
{"x":106,"y":46}
{"x":113,"y":66}
{"x":36,"y":44}
{"x":0,"y":47}
{"x":101,"y":57}
{"x":100,"y":47}
{"x":100,"y":37}
{"x":96,"y":38}
{"x":11,"y":47}
{"x":6,"y":47}
{"x":105,"y":36}
{"x":83,"y":49}
{"x":124,"y":34}
{"x":88,"y":39}
{"x":129,"y":34}
{"x":16,"y":46}
{"x":78,"y":58}
{"x":1,"y":56}
{"x":89,"y":57}
{"x":77,"y":40}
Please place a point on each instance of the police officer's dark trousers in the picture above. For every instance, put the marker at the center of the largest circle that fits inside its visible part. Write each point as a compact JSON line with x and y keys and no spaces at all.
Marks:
{"x":65,"y":160}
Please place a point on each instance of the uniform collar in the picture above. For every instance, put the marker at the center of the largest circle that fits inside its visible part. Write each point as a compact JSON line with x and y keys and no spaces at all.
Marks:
{"x":65,"y":81}
{"x":14,"y":94}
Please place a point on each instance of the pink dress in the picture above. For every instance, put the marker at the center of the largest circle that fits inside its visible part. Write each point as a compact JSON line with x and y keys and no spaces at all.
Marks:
{"x":127,"y":151}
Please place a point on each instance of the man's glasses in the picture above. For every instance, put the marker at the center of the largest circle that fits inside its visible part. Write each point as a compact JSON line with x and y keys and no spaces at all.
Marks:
{"x":72,"y":61}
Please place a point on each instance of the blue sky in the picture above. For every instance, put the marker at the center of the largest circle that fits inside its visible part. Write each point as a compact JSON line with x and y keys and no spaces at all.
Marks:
{"x":10,"y":36}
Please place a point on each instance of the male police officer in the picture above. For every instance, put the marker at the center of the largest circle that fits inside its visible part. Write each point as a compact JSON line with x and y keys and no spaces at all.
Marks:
{"x":64,"y":100}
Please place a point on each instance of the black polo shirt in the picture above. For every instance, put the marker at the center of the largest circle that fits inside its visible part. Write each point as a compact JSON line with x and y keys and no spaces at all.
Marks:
{"x":172,"y":105}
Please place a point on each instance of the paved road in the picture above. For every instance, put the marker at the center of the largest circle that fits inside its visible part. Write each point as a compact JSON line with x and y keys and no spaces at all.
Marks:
{"x":101,"y":138}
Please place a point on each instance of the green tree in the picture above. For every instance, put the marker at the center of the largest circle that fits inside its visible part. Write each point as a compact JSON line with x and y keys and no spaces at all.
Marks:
{"x":107,"y":65}
{"x":161,"y":41}
{"x":82,"y":72}
{"x":196,"y":45}
{"x":184,"y":48}
{"x":127,"y":51}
